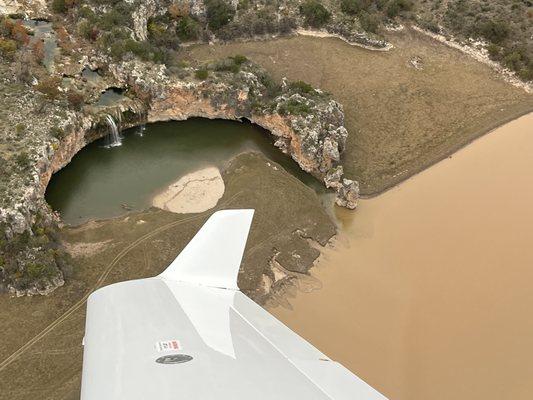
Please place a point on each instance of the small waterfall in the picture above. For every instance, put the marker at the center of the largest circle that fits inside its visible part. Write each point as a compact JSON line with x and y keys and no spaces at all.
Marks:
{"x":139,"y":110}
{"x":113,"y":138}
{"x":140,"y":130}
{"x":118,"y":118}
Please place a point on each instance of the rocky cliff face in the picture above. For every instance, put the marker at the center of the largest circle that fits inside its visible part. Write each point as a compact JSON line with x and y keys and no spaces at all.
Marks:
{"x":306,"y":123}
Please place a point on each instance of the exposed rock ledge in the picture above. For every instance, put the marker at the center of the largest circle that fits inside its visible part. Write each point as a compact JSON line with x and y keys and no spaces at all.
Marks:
{"x":307,"y":125}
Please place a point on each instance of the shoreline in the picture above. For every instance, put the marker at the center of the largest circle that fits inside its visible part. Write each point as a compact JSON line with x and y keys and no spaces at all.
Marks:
{"x":467,"y":250}
{"x":480,"y":56}
{"x":195,"y":192}
{"x":325,"y":34}
{"x":454,"y":150}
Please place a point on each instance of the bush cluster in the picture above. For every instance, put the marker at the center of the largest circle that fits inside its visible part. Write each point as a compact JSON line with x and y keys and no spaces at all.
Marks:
{"x":314,"y":13}
{"x":218,"y":13}
{"x":45,"y":261}
{"x":201,"y":74}
{"x":187,"y":28}
{"x":507,"y":29}
{"x":50,"y":87}
{"x":231,"y":64}
{"x":258,"y":23}
{"x":294,"y":107}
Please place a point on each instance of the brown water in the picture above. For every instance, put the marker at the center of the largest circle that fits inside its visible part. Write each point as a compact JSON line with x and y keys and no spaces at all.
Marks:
{"x":428,"y":293}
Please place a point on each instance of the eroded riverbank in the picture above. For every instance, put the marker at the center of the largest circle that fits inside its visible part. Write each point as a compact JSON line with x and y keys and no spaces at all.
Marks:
{"x":427,"y":294}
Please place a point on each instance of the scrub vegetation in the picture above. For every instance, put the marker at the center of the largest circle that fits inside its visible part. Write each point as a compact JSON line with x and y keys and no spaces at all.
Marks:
{"x":506,"y":26}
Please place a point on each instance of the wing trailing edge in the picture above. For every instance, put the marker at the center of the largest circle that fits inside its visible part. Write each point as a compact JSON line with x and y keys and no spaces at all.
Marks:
{"x":213,"y":257}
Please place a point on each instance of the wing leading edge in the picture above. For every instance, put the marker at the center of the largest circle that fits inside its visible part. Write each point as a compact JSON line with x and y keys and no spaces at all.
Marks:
{"x":213,"y":256}
{"x":236,"y":350}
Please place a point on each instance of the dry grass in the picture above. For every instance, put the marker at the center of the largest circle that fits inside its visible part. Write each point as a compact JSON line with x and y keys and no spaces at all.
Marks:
{"x":400,"y":119}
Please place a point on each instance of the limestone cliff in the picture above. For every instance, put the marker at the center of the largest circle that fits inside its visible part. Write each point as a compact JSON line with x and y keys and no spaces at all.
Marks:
{"x":306,"y":124}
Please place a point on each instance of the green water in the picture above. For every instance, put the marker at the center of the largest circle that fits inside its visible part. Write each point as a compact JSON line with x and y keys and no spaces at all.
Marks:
{"x":99,"y":181}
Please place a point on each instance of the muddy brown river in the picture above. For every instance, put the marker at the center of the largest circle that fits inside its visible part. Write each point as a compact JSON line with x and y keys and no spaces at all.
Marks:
{"x":428,"y":291}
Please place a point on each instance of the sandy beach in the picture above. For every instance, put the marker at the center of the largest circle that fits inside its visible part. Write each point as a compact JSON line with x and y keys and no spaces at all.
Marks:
{"x":195,"y":192}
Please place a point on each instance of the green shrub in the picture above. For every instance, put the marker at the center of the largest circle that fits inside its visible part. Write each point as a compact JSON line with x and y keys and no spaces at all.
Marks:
{"x":494,"y":51}
{"x":231,"y":64}
{"x":239,"y":59}
{"x":272,"y":88}
{"x":20,"y":128}
{"x":87,"y":30}
{"x":187,"y":28}
{"x":57,"y":132}
{"x":201,"y":74}
{"x":160,"y":35}
{"x":395,"y":7}
{"x":59,"y":6}
{"x":314,"y":13}
{"x":286,"y":24}
{"x":369,"y":22}
{"x":118,"y":16}
{"x":227,"y":65}
{"x":301,"y":87}
{"x":86,"y":12}
{"x":430,"y":25}
{"x":294,"y":107}
{"x":494,"y":31}
{"x":36,"y":271}
{"x":353,"y":7}
{"x":23,"y":160}
{"x":526,"y":73}
{"x":8,"y":48}
{"x":219,"y":13}
{"x":144,"y":50}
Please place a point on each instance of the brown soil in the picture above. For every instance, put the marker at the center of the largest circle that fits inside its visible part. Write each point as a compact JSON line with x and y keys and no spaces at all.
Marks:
{"x":401,"y":119}
{"x":49,"y":330}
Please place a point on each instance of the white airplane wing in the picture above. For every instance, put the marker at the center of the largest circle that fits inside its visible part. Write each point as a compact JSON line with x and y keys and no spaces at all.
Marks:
{"x":191,"y":334}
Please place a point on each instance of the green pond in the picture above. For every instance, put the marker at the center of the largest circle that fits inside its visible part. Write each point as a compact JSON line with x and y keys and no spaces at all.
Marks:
{"x":103,"y":182}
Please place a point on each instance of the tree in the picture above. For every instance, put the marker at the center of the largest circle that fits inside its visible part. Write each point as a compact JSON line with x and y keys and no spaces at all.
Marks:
{"x":315,"y":14}
{"x":394,"y":7}
{"x":219,"y":13}
{"x":59,"y":6}
{"x":495,"y":31}
{"x":187,"y":28}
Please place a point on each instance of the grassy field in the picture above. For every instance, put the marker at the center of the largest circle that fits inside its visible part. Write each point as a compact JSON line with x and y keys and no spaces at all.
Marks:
{"x":401,"y":119}
{"x":142,"y":245}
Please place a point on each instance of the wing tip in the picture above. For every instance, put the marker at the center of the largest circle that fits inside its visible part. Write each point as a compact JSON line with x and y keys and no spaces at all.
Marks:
{"x":224,"y":234}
